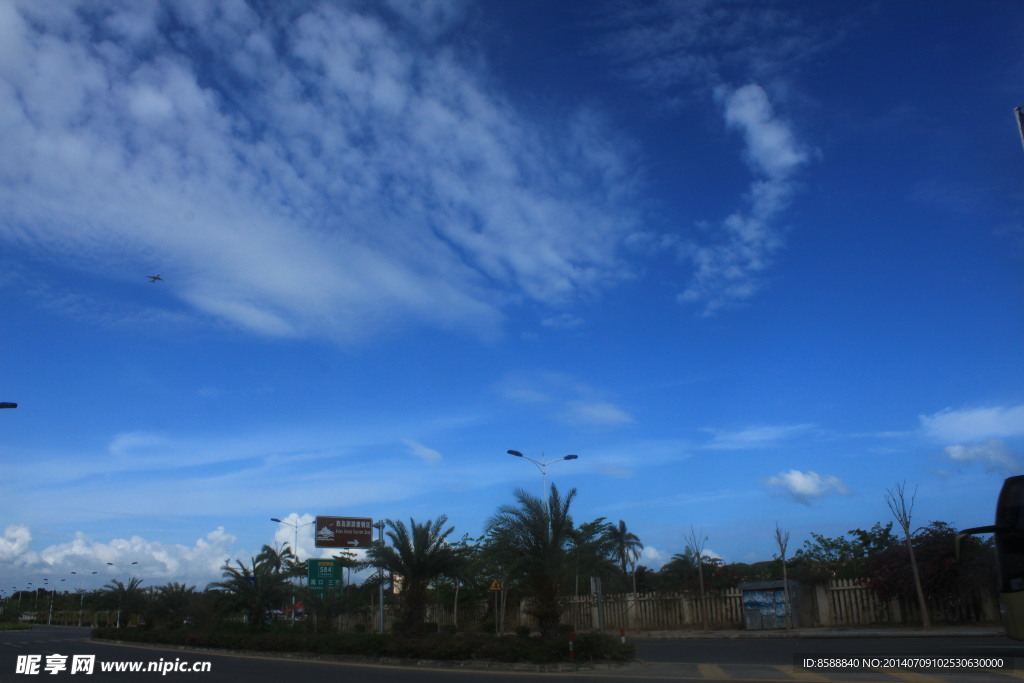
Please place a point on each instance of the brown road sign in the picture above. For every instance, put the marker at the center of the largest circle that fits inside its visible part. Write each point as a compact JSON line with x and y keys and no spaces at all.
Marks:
{"x":343,"y":532}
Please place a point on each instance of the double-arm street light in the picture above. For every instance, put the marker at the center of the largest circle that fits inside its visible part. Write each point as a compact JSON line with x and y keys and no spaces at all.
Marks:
{"x":81,"y":600}
{"x":122,"y":593}
{"x":295,"y":527}
{"x":543,"y":467}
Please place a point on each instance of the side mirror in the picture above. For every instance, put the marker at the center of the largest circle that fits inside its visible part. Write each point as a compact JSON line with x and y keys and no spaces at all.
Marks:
{"x":991,"y":529}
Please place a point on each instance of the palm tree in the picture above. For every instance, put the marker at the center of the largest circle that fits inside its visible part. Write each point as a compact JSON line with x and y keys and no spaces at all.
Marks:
{"x":277,"y":559}
{"x":537,"y":538}
{"x":253,"y":588}
{"x":591,"y":550}
{"x":418,"y":554}
{"x":174,"y":600}
{"x":626,"y":546}
{"x":125,"y":595}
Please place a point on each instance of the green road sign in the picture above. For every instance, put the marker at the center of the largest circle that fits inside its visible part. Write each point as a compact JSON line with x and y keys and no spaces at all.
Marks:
{"x":325,"y":575}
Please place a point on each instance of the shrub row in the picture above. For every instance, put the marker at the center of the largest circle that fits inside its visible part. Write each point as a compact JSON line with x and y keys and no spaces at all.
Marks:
{"x":442,"y":646}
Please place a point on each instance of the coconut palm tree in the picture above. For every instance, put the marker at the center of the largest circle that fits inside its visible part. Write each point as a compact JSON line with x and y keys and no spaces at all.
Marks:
{"x":537,"y":538}
{"x":126,"y":596}
{"x":626,"y":545}
{"x":277,"y":559}
{"x":592,"y":551}
{"x":173,"y":602}
{"x":418,"y":554}
{"x":253,"y":588}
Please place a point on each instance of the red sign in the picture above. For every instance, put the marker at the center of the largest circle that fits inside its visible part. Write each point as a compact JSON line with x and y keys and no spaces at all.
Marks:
{"x":343,"y":532}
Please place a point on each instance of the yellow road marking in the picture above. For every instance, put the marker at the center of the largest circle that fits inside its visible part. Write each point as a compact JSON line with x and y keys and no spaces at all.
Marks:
{"x":712,"y":671}
{"x":798,"y":674}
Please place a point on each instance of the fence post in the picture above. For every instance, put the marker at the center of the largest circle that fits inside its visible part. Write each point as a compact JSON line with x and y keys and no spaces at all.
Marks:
{"x":824,"y":604}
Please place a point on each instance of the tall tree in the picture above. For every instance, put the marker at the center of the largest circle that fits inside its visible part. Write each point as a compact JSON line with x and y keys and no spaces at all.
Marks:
{"x":173,"y":601}
{"x":782,"y":540}
{"x":591,"y":551}
{"x":254,"y":588}
{"x":626,"y":546}
{"x":126,"y":596}
{"x":537,"y":538}
{"x":418,"y":554}
{"x":276,"y":559}
{"x":695,"y":545}
{"x":902,"y":509}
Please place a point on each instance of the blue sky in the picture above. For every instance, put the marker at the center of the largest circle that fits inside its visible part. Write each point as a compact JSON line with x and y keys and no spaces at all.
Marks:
{"x":755,"y":262}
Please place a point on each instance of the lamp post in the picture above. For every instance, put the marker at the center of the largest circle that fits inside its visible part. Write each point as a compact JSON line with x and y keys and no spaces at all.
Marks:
{"x":6,"y":404}
{"x":543,"y":467}
{"x":120,"y":597}
{"x":295,"y":527}
{"x":49,"y":619}
{"x":81,"y":602}
{"x":380,"y":589}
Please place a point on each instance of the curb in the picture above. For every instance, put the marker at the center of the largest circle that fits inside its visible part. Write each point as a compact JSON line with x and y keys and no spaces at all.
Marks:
{"x":439,"y":664}
{"x":993,"y":632}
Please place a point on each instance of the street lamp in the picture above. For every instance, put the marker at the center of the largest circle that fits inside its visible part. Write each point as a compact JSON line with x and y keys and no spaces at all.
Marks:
{"x":5,"y":404}
{"x":119,"y":597}
{"x":49,"y":619}
{"x":543,"y":467}
{"x":295,"y":526}
{"x":81,"y":602}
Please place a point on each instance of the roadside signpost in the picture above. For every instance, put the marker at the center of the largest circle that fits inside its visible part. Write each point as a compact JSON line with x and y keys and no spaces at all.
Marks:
{"x":343,"y":532}
{"x":325,"y":575}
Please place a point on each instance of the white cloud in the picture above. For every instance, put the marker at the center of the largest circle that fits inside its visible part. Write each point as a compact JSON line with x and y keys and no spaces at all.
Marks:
{"x":596,"y":413}
{"x":682,"y":48}
{"x":348,"y":179}
{"x":651,"y":557}
{"x":994,"y":454}
{"x":576,"y":403}
{"x":770,"y":145}
{"x":755,"y":437}
{"x":685,"y":51}
{"x":727,"y":268}
{"x":296,"y":531}
{"x":974,"y":424}
{"x":427,"y":455}
{"x":15,"y":542}
{"x":155,"y":562}
{"x":803,"y":487}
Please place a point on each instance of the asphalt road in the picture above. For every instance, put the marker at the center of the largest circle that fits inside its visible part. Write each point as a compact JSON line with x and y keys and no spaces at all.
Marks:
{"x":744,"y":659}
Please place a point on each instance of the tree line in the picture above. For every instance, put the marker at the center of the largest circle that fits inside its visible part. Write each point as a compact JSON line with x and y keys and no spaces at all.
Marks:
{"x":536,"y":551}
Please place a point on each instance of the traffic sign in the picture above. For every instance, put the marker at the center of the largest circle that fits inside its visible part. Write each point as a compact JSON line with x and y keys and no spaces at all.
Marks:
{"x":343,"y":532}
{"x":324,"y":575}
{"x":495,"y":586}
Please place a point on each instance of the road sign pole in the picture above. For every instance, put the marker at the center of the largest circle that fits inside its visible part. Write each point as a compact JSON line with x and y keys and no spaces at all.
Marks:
{"x":380,"y":527}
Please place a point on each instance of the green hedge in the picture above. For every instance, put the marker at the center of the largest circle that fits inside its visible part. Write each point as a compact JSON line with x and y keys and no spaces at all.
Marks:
{"x":443,"y":646}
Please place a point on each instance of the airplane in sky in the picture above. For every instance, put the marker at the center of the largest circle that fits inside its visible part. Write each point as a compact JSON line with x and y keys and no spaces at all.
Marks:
{"x":154,"y":278}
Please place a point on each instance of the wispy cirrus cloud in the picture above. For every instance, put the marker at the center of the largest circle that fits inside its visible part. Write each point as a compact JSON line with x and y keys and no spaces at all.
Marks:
{"x":318,"y":173}
{"x":574,"y":402}
{"x":699,"y":51}
{"x":727,"y":268}
{"x":974,"y":424}
{"x":754,"y":437}
{"x":427,"y":455}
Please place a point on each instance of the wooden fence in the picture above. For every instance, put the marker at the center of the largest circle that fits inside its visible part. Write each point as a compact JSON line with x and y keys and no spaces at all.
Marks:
{"x":839,"y":603}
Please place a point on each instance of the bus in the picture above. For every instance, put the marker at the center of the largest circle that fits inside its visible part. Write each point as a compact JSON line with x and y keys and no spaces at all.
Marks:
{"x":1009,"y":533}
